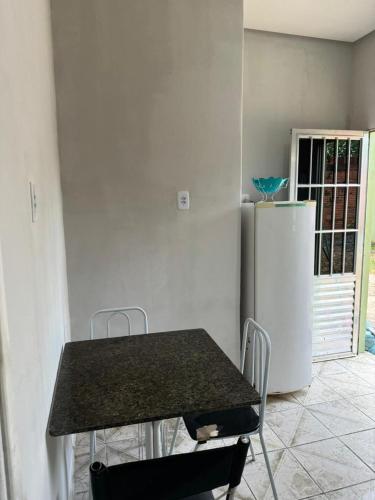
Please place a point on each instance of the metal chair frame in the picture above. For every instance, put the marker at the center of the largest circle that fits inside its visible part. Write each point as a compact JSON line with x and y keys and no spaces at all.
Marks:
{"x":112,"y":313}
{"x":254,"y":365}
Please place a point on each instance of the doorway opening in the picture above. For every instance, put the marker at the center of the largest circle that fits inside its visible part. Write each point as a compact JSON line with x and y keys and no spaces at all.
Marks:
{"x":367,"y":336}
{"x":330,"y":167}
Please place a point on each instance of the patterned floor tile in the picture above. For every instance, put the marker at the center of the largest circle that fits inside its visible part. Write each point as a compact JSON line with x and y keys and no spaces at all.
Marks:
{"x":366,"y":404}
{"x":341,"y":417}
{"x":82,"y":464}
{"x":292,"y":481}
{"x":348,"y":385}
{"x":84,"y":495}
{"x":363,"y":445}
{"x":331,"y":464}
{"x":242,"y":492}
{"x":121,"y":433}
{"x":297,"y":426}
{"x":364,"y":491}
{"x":317,"y":392}
{"x":83,"y":439}
{"x":327,"y":368}
{"x":127,"y":450}
{"x":279,"y":403}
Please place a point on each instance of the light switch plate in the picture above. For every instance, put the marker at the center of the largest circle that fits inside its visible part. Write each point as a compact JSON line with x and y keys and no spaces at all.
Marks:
{"x":33,"y":202}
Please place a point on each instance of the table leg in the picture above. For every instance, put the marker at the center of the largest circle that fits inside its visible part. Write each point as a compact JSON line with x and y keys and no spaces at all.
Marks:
{"x":157,"y":438}
{"x":149,"y":440}
{"x":92,"y":446}
{"x":92,"y":456}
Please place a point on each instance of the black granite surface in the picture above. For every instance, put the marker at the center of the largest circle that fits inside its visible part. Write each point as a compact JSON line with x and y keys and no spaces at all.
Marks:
{"x":126,"y":380}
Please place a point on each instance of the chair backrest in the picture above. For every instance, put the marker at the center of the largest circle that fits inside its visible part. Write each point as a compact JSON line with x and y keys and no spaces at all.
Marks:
{"x":124,"y":313}
{"x":255,"y":360}
{"x":170,"y":478}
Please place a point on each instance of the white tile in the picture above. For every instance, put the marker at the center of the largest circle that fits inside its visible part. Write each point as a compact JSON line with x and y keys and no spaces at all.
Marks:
{"x":363,"y":360}
{"x":364,"y":491}
{"x":291,"y":480}
{"x":297,"y":426}
{"x":348,"y":385}
{"x":210,"y":445}
{"x":242,"y":492}
{"x":366,"y":404}
{"x":127,"y":450}
{"x":82,"y":464}
{"x":327,"y":368}
{"x":363,"y":370}
{"x":272,"y":441}
{"x":341,"y":417}
{"x":183,"y":444}
{"x":121,"y":433}
{"x":84,"y":495}
{"x":83,"y":439}
{"x":331,"y":464}
{"x":317,"y":392}
{"x":363,"y":445}
{"x":282,"y":402}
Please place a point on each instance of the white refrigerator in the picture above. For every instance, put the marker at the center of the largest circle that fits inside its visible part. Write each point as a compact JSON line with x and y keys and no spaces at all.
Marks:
{"x":277,"y":285}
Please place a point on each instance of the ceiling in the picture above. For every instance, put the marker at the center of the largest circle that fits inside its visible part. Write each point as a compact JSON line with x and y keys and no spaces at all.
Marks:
{"x":344,"y":20}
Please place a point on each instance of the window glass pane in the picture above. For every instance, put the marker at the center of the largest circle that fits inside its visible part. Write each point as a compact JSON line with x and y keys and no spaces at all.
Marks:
{"x":349,"y":252}
{"x":303,"y":194}
{"x":340,"y":207}
{"x":304,"y":161}
{"x":328,"y":208}
{"x":338,"y":249}
{"x":316,"y":257}
{"x":325,"y":257}
{"x":355,"y":147}
{"x":342,"y":161}
{"x":316,"y":195}
{"x":317,"y":161}
{"x":329,"y":173}
{"x":352,"y":208}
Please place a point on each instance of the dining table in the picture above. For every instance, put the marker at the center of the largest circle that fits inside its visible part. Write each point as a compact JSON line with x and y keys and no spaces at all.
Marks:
{"x":120,"y":381}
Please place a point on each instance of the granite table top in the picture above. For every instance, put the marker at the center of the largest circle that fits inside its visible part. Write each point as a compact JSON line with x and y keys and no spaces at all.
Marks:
{"x":120,"y":381}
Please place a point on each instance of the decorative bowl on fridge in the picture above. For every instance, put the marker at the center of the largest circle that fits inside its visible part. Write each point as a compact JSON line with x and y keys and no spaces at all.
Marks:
{"x":269,"y":186}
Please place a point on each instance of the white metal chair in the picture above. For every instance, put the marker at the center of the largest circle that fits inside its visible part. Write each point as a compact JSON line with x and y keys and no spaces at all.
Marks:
{"x":254,"y":365}
{"x":107,"y":316}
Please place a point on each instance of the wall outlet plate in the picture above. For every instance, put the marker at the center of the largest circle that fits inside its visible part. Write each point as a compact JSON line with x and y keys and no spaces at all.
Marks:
{"x":183,"y":200}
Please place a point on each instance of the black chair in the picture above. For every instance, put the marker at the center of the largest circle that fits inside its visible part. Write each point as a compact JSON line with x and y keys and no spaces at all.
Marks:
{"x":255,"y":361}
{"x":189,"y":476}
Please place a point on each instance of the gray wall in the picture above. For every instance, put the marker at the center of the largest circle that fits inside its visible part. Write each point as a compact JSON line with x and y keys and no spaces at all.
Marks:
{"x":289,"y":82}
{"x":33,"y":298}
{"x":363,"y":102}
{"x":363,"y":88}
{"x":149,"y":103}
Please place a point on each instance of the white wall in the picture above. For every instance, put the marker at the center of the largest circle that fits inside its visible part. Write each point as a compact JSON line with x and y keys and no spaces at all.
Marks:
{"x":289,"y":82}
{"x":33,"y":301}
{"x":149,"y":103}
{"x":363,"y":89}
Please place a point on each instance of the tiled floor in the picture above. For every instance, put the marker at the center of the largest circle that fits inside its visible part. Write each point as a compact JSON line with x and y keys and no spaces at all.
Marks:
{"x":321,"y":440}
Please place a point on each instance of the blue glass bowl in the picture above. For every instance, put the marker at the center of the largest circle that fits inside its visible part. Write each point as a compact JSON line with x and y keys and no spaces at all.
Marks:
{"x":270,"y":185}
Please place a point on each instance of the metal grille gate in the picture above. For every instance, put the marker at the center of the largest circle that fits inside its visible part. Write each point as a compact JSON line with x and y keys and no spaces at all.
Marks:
{"x":330,"y":167}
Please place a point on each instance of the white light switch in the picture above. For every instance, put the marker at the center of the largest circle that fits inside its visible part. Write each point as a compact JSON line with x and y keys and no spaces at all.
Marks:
{"x":183,"y":200}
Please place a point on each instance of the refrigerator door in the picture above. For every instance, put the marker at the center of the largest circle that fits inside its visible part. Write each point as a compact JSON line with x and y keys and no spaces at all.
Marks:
{"x":284,"y":269}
